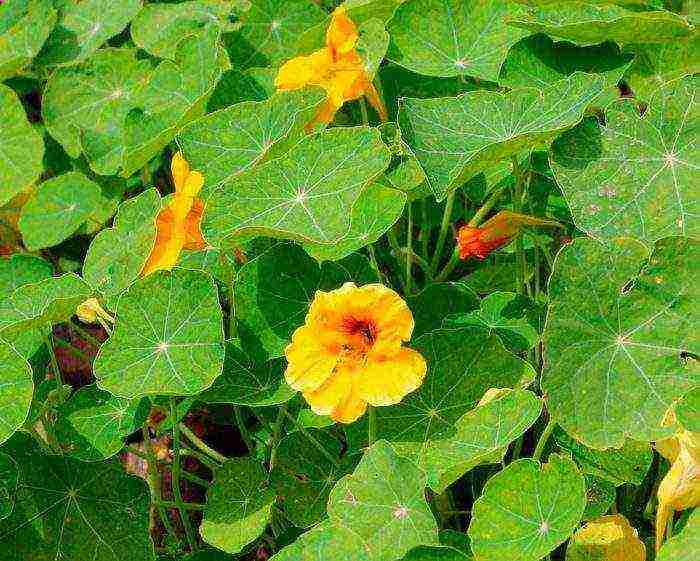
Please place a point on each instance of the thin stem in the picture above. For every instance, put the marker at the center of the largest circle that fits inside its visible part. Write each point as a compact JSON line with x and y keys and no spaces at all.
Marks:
{"x":409,"y":249}
{"x":194,"y":479}
{"x":232,"y":329}
{"x":375,"y":264}
{"x":424,"y":234}
{"x":669,"y":527}
{"x":175,"y":470}
{"x":277,"y":434}
{"x":85,"y":334}
{"x":201,"y":445}
{"x":206,"y":460}
{"x":394,"y":243}
{"x":313,"y":441}
{"x":519,"y":245}
{"x":54,"y":362}
{"x":371,"y":425}
{"x":418,"y":260}
{"x":180,"y":505}
{"x":154,"y":482}
{"x":542,"y":442}
{"x":363,"y":111}
{"x":449,"y":267}
{"x":444,"y":228}
{"x":247,"y":440}
{"x":71,"y":349}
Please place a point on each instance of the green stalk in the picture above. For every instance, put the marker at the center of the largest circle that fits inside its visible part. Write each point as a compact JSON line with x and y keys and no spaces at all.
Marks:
{"x":54,"y":362}
{"x":313,"y":441}
{"x":424,"y":235}
{"x":175,"y":471}
{"x":247,"y":440}
{"x":85,"y":334}
{"x":277,"y":434}
{"x":194,"y":479}
{"x":409,"y":249}
{"x":363,"y":111}
{"x":518,"y":195}
{"x":444,"y":228}
{"x":206,"y":460}
{"x":201,"y":445}
{"x":154,"y":483}
{"x":542,"y":442}
{"x":394,"y":243}
{"x":181,"y":505}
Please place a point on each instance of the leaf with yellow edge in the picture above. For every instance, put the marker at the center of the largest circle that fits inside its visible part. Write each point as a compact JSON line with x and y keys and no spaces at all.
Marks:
{"x":608,"y":538}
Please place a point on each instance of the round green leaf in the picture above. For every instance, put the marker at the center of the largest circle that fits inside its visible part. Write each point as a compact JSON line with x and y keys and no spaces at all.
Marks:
{"x":376,"y":210}
{"x":617,"y":331}
{"x":238,"y":505}
{"x":20,"y":269}
{"x":322,"y":543}
{"x":307,"y":194}
{"x":168,"y":337}
{"x":61,"y":205}
{"x":9,"y":479}
{"x":84,"y":26}
{"x":685,"y":545}
{"x":117,"y":255}
{"x":454,"y":139}
{"x":453,"y":37}
{"x":437,"y":301}
{"x":21,"y":147}
{"x":383,"y":502}
{"x":303,"y":476}
{"x":637,"y":175}
{"x":526,"y":510}
{"x":688,"y":411}
{"x":16,"y":390}
{"x":92,"y":424}
{"x":67,"y":509}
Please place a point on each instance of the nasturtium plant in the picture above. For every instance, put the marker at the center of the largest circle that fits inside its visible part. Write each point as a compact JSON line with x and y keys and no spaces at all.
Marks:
{"x":353,"y":280}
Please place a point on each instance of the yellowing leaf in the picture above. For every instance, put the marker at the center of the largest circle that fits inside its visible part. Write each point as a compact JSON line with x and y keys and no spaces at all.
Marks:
{"x":608,"y":538}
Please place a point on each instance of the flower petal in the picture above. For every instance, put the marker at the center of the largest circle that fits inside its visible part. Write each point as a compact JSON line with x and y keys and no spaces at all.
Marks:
{"x":342,"y":35}
{"x":194,"y":238}
{"x":180,"y":169}
{"x":389,"y":380}
{"x":309,"y":364}
{"x":338,"y":397}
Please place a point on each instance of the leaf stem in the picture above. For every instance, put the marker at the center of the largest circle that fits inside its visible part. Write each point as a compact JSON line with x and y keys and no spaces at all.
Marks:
{"x":444,"y":228}
{"x":518,"y":195}
{"x":85,"y":334}
{"x":544,"y":438}
{"x":313,"y":440}
{"x":154,"y":483}
{"x":277,"y":434}
{"x":175,"y":483}
{"x":409,"y":249}
{"x":54,"y":362}
{"x":201,"y":445}
{"x":240,"y":422}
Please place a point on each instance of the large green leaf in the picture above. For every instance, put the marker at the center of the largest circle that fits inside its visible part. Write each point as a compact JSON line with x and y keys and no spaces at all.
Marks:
{"x":21,"y":147}
{"x":84,"y":26}
{"x":437,"y":301}
{"x":435,"y":426}
{"x":225,"y":143}
{"x":456,"y":138}
{"x":67,"y":509}
{"x":617,"y":330}
{"x":376,"y":210}
{"x":628,"y":464}
{"x":274,"y":291}
{"x":688,"y":411}
{"x":238,"y":505}
{"x":539,"y":61}
{"x":270,"y":31}
{"x":159,"y":27}
{"x":9,"y":480}
{"x":383,"y":502}
{"x":453,"y":37}
{"x":325,"y":542}
{"x":84,"y":106}
{"x":168,"y":337}
{"x":92,"y":424}
{"x":24,"y":26}
{"x":685,"y":545}
{"x":16,"y":390}
{"x":306,"y":194}
{"x":587,"y":24}
{"x":526,"y":510}
{"x":117,"y":255}
{"x":637,"y":175}
{"x":22,"y":268}
{"x":249,"y":380}
{"x":60,"y":206}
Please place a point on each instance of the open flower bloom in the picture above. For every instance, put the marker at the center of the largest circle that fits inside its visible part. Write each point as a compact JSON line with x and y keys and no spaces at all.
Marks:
{"x":680,"y":488}
{"x":349,"y":352}
{"x":337,"y":68}
{"x":608,"y":538}
{"x":496,"y":232}
{"x":177,"y":225}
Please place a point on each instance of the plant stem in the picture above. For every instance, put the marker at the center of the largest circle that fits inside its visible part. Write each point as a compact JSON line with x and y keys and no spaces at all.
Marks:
{"x":201,"y":445}
{"x":247,"y":440}
{"x":542,"y":442}
{"x":277,"y":433}
{"x":154,"y":482}
{"x":424,"y":234}
{"x":394,"y":243}
{"x":194,"y":479}
{"x":444,"y":228}
{"x":175,"y":471}
{"x":232,"y":329}
{"x":206,"y":460}
{"x":669,"y":527}
{"x":313,"y":441}
{"x":371,"y":425}
{"x":181,"y":505}
{"x":54,"y":362}
{"x":518,"y":195}
{"x":77,"y":353}
{"x":85,"y":334}
{"x":363,"y":111}
{"x":409,"y":249}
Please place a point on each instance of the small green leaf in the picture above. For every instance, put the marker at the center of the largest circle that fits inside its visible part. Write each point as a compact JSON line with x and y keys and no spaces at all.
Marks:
{"x":303,"y":476}
{"x":92,"y":424}
{"x":21,"y":147}
{"x":383,"y":502}
{"x":456,"y":138}
{"x":325,"y":542}
{"x":84,"y":26}
{"x":636,"y":176}
{"x":618,"y":325}
{"x":274,"y":291}
{"x":24,"y":26}
{"x":437,"y":301}
{"x":238,"y":505}
{"x":60,"y":206}
{"x":117,"y":255}
{"x":236,"y":86}
{"x":687,"y":541}
{"x":168,"y":337}
{"x":75,"y":510}
{"x":306,"y":194}
{"x":452,"y":37}
{"x":376,"y":210}
{"x":526,"y":510}
{"x":16,"y":390}
{"x":508,"y":315}
{"x":628,"y":464}
{"x":247,"y":381}
{"x":226,"y":143}
{"x":9,"y":479}
{"x":688,"y":411}
{"x":586,"y":24}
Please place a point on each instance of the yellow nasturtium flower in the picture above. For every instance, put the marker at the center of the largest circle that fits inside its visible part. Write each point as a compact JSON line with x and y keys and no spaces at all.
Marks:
{"x":91,"y":311}
{"x":608,"y":538}
{"x":349,"y":353}
{"x":337,"y":68}
{"x":178,"y":224}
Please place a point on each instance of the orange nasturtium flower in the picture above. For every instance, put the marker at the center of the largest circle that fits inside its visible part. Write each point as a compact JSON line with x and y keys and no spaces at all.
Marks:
{"x":680,"y":488}
{"x":496,"y":232}
{"x":177,"y":225}
{"x":349,"y":353}
{"x":337,"y":68}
